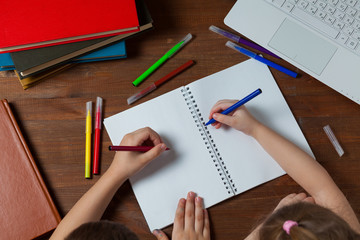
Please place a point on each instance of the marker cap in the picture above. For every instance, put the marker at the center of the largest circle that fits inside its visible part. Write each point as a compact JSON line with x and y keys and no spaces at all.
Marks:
{"x":99,"y":105}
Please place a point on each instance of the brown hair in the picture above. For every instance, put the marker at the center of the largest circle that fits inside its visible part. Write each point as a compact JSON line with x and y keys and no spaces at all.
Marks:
{"x":103,"y":230}
{"x":314,"y":223}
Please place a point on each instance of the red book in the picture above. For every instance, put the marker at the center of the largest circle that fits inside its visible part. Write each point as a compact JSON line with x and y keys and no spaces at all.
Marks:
{"x":30,"y":24}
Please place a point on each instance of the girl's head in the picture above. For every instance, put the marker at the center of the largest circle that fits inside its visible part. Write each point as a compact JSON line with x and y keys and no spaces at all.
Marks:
{"x":305,"y":221}
{"x":104,"y":230}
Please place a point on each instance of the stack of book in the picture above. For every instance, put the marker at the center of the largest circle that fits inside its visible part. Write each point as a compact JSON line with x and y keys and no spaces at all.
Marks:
{"x":45,"y":37}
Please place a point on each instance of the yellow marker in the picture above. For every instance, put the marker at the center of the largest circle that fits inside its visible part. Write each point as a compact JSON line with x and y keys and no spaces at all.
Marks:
{"x":88,"y":139}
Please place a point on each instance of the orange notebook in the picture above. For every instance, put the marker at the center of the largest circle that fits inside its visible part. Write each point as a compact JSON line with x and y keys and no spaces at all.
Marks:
{"x":26,"y":208}
{"x":29,"y":24}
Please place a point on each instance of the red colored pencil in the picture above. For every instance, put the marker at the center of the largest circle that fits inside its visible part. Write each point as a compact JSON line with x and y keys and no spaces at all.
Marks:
{"x":96,"y":158}
{"x":132,"y":148}
{"x":157,"y":83}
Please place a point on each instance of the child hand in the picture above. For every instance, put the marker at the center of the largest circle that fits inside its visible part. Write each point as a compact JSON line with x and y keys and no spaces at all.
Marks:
{"x":129,"y":162}
{"x":294,"y":198}
{"x":191,"y":221}
{"x":239,"y":119}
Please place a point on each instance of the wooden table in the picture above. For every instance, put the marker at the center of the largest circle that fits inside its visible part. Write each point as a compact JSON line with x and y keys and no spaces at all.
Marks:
{"x":51,"y":116}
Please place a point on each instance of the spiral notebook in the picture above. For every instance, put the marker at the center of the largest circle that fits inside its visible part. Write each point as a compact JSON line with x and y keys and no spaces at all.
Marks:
{"x":214,"y":163}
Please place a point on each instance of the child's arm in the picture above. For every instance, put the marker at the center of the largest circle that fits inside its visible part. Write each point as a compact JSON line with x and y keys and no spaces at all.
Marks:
{"x":93,"y":203}
{"x":305,"y":170}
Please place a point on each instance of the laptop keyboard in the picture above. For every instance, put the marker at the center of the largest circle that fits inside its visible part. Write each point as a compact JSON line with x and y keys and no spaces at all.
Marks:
{"x":337,"y":19}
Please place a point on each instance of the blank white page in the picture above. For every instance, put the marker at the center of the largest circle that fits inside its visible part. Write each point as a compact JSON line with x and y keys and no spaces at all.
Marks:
{"x":248,"y":164}
{"x":186,"y":167}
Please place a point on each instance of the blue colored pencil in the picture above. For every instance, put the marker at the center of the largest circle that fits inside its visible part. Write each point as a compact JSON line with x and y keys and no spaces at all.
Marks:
{"x":261,"y":59}
{"x":238,"y":104}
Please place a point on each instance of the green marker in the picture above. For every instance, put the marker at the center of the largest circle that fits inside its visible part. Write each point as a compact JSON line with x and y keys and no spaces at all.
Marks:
{"x":158,"y":63}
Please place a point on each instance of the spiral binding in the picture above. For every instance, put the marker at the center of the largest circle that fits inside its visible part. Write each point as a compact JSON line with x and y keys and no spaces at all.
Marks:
{"x":209,"y":142}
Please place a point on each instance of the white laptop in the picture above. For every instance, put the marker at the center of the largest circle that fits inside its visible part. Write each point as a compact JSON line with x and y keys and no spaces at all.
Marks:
{"x":321,"y":37}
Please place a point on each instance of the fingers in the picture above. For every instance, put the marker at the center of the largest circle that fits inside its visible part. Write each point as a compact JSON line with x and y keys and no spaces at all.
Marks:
{"x":206,"y":230}
{"x":180,"y":216}
{"x":229,"y":119}
{"x":225,"y":119}
{"x":145,"y":136}
{"x":190,"y":214}
{"x":191,"y":220}
{"x":309,"y":200}
{"x":300,"y":197}
{"x":294,"y":198}
{"x":190,"y":211}
{"x":140,"y":136}
{"x":199,"y":214}
{"x":153,"y":136}
{"x":160,"y":235}
{"x":220,"y":106}
{"x":291,"y":195}
{"x":153,"y":153}
{"x":217,"y":125}
{"x":130,"y":162}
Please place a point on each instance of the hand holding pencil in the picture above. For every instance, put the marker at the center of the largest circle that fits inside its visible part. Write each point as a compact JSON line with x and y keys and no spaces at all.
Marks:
{"x":130,"y":162}
{"x":239,"y":118}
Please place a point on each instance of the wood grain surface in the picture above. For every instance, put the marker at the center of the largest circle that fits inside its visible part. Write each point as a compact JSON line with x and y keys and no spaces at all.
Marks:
{"x":52,"y":116}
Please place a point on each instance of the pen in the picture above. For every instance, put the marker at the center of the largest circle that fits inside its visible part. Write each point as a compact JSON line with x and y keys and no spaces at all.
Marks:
{"x":261,"y":59}
{"x":238,"y":104}
{"x":132,"y":148}
{"x":240,"y":40}
{"x":157,"y":83}
{"x":99,"y":103}
{"x":88,"y":139}
{"x":158,"y":63}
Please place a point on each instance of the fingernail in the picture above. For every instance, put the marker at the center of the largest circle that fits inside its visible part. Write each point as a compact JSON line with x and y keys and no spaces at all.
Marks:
{"x":157,"y":232}
{"x":198,"y":199}
{"x":205,"y":211}
{"x":163,"y":147}
{"x":215,"y":115}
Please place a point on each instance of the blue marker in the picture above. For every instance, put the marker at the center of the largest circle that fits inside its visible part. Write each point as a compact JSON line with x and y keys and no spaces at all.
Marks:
{"x":238,"y":104}
{"x":261,"y":59}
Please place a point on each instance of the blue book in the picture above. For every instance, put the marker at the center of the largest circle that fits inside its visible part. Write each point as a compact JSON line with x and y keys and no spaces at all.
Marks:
{"x":114,"y":51}
{"x":6,"y":63}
